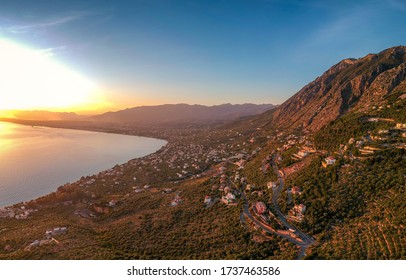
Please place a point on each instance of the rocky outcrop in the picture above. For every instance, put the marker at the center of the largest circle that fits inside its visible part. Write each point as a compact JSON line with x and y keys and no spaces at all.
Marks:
{"x":350,"y":84}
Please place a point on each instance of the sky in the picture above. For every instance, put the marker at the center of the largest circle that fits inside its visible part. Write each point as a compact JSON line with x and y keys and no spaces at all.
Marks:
{"x":149,"y":52}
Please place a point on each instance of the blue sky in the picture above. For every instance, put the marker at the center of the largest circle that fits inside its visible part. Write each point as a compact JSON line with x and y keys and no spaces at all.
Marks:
{"x":143,"y":52}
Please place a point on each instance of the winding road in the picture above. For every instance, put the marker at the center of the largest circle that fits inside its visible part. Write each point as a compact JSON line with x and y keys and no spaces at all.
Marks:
{"x":304,"y":241}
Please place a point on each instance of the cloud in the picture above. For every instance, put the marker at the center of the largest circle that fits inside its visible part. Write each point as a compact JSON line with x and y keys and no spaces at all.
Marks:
{"x":20,"y":28}
{"x":54,"y":51}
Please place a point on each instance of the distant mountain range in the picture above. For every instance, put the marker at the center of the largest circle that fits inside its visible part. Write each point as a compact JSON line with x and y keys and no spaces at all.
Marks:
{"x":182,"y":114}
{"x":41,"y":115}
{"x":340,"y":141}
{"x":160,"y":114}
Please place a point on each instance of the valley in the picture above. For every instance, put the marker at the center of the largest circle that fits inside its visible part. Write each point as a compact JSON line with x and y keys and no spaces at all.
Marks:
{"x":320,"y":177}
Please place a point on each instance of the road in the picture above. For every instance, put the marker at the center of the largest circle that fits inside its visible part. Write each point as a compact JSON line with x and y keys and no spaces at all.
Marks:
{"x":307,"y":240}
{"x":304,"y":241}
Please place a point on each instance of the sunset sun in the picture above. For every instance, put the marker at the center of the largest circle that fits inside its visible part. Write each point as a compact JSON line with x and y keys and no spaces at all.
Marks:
{"x":31,"y":79}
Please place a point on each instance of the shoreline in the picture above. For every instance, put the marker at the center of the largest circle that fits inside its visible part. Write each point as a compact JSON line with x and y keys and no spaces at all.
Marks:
{"x":91,"y":174}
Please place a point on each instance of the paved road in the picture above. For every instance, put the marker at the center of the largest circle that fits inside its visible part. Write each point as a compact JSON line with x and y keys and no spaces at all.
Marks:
{"x":305,"y":241}
{"x":247,"y":214}
{"x":306,"y":238}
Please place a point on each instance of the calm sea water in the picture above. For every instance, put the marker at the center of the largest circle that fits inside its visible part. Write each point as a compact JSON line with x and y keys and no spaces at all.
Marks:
{"x":35,"y":161}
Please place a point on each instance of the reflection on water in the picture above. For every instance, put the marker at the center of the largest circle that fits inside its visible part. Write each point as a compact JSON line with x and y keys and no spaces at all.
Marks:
{"x":34,"y":161}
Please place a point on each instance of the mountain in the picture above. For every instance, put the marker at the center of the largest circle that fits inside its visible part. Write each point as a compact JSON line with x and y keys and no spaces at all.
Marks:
{"x":336,"y":192}
{"x":41,"y":115}
{"x":182,"y":114}
{"x":350,"y":85}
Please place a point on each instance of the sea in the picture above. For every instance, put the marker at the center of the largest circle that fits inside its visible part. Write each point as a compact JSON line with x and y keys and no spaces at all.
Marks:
{"x":35,"y":161}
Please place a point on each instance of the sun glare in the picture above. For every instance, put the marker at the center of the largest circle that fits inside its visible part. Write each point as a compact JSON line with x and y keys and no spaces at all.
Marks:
{"x":31,"y":79}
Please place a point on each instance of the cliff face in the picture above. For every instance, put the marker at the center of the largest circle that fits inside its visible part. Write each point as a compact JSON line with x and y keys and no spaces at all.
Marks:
{"x":352,"y":84}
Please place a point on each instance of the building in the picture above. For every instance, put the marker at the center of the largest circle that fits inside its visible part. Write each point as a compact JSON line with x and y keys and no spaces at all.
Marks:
{"x":241,"y":163}
{"x":228,"y":198}
{"x":329,"y":161}
{"x":296,"y":190}
{"x":271,"y":185}
{"x":208,"y":199}
{"x":301,"y":208}
{"x":302,"y":153}
{"x":260,"y":207}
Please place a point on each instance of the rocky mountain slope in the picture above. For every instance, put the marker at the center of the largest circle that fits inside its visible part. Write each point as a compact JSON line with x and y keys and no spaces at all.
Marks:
{"x":352,"y":84}
{"x":343,"y":184}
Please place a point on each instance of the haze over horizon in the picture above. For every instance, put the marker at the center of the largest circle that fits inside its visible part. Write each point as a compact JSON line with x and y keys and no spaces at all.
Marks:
{"x":99,"y":56}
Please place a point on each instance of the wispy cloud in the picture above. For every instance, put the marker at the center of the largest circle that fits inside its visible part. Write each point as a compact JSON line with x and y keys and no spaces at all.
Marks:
{"x":35,"y":25}
{"x":54,"y":51}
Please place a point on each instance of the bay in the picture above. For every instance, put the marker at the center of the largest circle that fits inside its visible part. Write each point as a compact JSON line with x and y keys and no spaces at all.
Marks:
{"x":35,"y":161}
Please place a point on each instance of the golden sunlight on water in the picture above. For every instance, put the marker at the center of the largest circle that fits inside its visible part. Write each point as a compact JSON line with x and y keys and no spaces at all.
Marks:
{"x":5,"y":141}
{"x":34,"y":161}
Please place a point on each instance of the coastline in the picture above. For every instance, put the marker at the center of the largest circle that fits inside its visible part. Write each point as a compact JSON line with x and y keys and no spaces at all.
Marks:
{"x":90,"y":174}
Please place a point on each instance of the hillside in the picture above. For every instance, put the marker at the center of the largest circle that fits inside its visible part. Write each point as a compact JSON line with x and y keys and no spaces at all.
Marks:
{"x":350,"y":85}
{"x":259,"y":188}
{"x":181,"y":114}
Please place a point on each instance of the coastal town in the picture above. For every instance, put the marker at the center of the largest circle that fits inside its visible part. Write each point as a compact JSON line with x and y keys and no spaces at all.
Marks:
{"x":222,"y":164}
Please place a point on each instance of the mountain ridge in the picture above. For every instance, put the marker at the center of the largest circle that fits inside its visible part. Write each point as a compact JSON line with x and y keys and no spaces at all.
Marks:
{"x":351,"y":84}
{"x":182,"y":113}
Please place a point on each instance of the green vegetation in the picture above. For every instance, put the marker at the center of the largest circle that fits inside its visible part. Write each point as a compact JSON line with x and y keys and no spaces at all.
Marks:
{"x":340,"y":131}
{"x":338,"y":197}
{"x":258,"y":172}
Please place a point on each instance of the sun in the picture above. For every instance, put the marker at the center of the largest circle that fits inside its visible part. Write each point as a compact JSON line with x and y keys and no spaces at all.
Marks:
{"x":31,"y":80}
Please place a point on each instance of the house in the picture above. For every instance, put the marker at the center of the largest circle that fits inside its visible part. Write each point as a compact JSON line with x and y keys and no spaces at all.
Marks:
{"x":227,"y":189}
{"x":176,"y":201}
{"x":384,"y":131}
{"x":56,"y":231}
{"x":296,"y":213}
{"x":329,"y":161}
{"x":296,"y":190}
{"x":222,"y":169}
{"x":228,"y":198}
{"x":260,"y":207}
{"x":401,"y":125}
{"x":301,"y":208}
{"x":112,"y":202}
{"x":271,"y":185}
{"x":359,"y":144}
{"x":302,"y":153}
{"x":208,"y":199}
{"x":241,"y":163}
